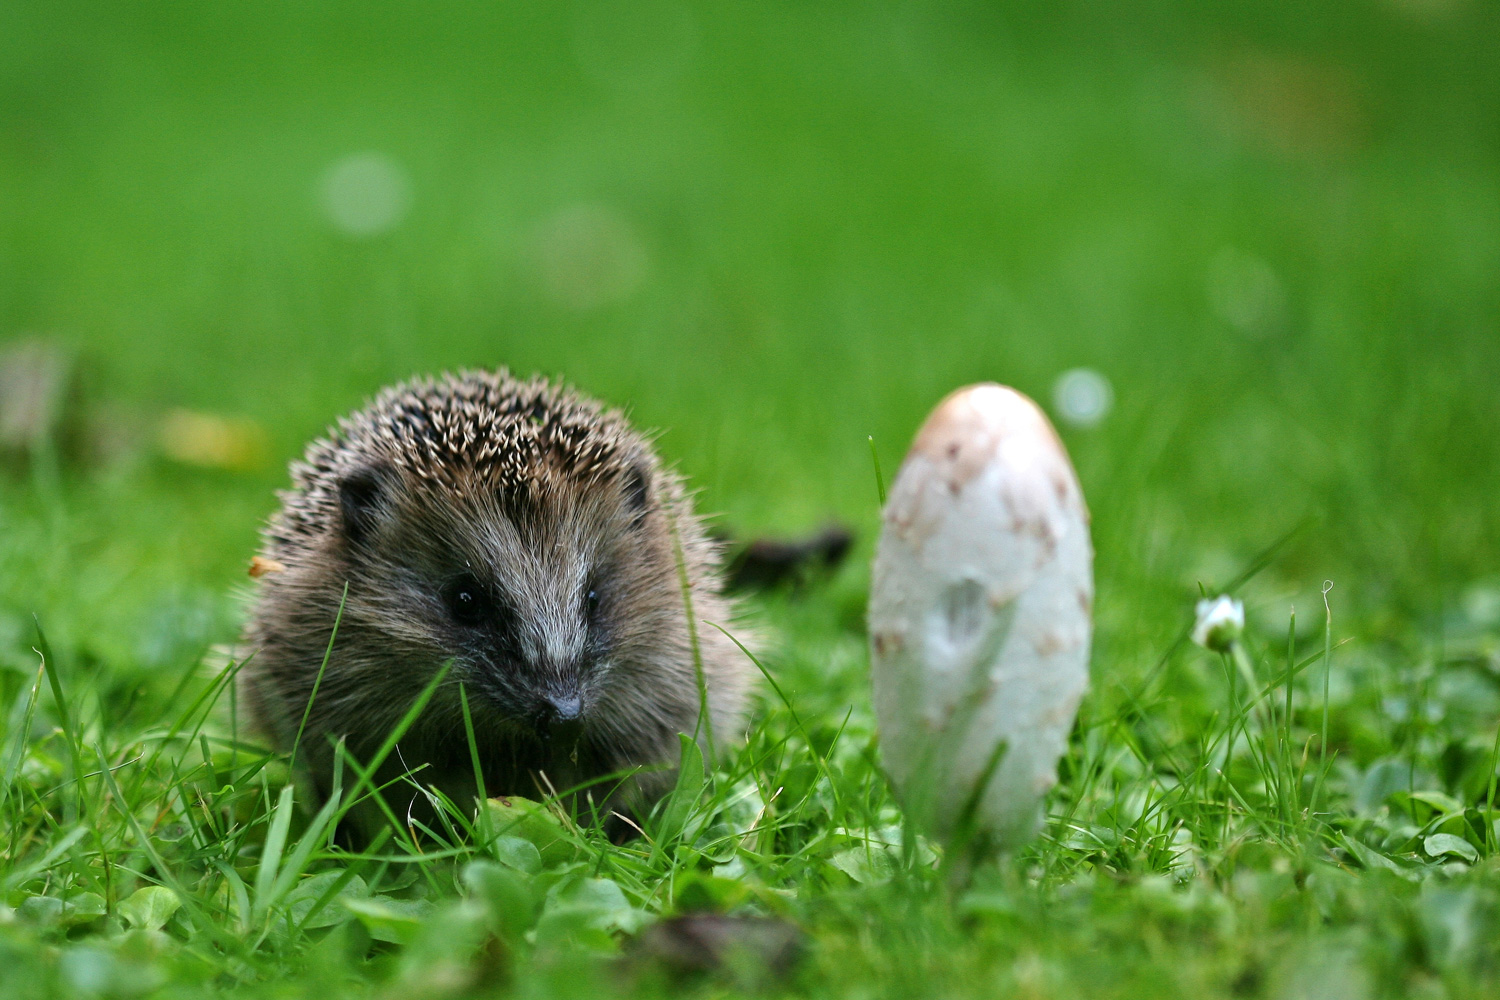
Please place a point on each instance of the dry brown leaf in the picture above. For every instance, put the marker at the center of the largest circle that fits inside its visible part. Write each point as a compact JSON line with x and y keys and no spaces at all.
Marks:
{"x":260,"y":566}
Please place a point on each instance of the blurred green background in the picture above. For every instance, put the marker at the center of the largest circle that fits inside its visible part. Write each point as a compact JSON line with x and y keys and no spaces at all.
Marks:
{"x":770,"y":231}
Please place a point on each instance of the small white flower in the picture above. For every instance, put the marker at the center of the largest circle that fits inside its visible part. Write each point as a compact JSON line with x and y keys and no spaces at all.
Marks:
{"x":1220,"y":621}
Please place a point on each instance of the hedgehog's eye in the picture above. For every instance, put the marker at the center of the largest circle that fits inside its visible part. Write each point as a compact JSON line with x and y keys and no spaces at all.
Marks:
{"x":591,"y":603}
{"x":467,"y":602}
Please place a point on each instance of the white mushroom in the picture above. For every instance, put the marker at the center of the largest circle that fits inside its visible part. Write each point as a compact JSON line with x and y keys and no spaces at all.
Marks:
{"x":980,"y":616}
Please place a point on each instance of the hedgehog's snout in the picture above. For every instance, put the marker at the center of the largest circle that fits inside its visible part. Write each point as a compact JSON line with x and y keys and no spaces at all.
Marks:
{"x":565,"y":707}
{"x":560,"y":718}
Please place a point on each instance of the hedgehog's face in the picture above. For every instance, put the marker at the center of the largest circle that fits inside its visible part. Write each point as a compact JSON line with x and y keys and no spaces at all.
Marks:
{"x":551,"y":610}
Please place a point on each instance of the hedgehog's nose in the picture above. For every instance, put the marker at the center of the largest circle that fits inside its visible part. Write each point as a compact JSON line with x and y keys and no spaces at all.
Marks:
{"x":564,"y":708}
{"x":561,"y":719}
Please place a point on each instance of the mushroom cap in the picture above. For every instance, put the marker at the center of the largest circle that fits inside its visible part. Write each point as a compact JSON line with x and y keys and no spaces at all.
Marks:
{"x":980,"y":615}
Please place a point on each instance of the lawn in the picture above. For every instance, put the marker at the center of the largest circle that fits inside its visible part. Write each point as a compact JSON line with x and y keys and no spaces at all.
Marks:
{"x":777,"y":234}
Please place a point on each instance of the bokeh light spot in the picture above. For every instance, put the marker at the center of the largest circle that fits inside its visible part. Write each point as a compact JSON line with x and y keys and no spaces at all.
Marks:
{"x":590,"y":256}
{"x":634,"y":46}
{"x":1082,"y":397}
{"x":365,"y":195}
{"x":1245,"y":292}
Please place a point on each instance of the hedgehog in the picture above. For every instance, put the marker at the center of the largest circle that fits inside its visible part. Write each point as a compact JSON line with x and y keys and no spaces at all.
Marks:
{"x":529,"y":544}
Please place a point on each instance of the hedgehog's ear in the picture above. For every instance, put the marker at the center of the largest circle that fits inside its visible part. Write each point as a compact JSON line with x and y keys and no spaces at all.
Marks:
{"x":364,"y":498}
{"x":638,"y":490}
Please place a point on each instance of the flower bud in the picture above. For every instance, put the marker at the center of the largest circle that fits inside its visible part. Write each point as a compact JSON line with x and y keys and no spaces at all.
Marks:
{"x":1220,"y":622}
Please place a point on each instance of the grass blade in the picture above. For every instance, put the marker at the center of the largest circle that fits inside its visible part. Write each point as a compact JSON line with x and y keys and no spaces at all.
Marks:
{"x":705,"y":719}
{"x":270,"y":855}
{"x":318,"y":680}
{"x":64,"y":717}
{"x":20,"y":738}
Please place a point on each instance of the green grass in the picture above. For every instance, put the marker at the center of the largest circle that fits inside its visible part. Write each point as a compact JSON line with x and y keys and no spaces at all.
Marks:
{"x":825,"y":219}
